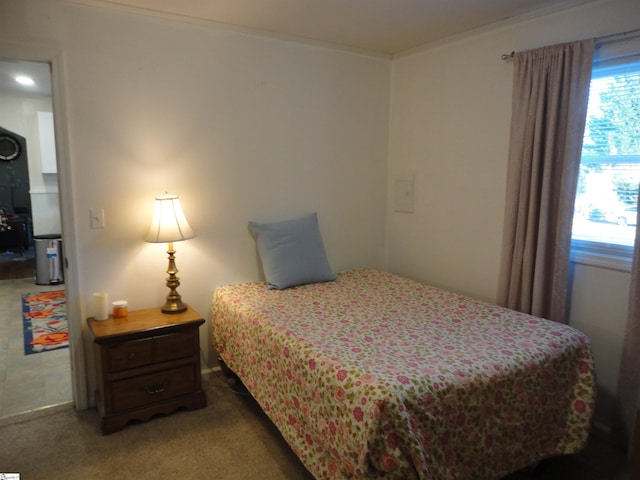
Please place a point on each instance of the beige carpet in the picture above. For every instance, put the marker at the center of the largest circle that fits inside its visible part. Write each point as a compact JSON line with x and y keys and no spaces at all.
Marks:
{"x":230,"y":439}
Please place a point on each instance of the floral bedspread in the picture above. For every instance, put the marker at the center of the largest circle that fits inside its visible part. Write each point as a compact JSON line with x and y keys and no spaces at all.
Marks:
{"x":378,"y":376}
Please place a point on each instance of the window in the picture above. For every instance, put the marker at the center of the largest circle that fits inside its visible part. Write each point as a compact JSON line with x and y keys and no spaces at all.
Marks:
{"x":607,"y":194}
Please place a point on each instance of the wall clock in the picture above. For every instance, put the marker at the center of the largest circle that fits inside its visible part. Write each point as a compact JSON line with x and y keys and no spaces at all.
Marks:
{"x":9,"y":147}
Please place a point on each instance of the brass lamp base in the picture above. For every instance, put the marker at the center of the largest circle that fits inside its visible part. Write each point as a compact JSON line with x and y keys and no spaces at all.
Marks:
{"x":173,"y":307}
{"x":174,"y":300}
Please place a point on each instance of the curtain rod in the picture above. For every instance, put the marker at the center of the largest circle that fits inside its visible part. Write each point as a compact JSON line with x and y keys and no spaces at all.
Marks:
{"x":600,"y":40}
{"x":618,"y":36}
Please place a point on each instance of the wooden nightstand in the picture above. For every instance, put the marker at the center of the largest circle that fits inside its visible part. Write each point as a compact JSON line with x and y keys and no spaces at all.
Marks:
{"x":147,"y":363}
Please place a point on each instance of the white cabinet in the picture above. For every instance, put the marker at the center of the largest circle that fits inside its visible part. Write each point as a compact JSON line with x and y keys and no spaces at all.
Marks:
{"x":47,"y":142}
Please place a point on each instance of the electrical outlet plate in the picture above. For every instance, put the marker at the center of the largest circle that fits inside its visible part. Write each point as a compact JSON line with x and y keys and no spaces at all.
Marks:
{"x":403,"y":189}
{"x":97,"y":218}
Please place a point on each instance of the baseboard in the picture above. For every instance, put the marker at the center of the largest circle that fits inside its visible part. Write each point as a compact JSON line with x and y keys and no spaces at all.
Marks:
{"x":35,"y":413}
{"x":601,"y":430}
{"x":208,"y":370}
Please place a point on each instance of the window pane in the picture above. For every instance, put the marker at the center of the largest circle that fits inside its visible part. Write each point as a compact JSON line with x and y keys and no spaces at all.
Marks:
{"x":607,"y":194}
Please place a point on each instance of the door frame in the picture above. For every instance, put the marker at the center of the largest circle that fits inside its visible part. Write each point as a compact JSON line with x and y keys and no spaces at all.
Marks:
{"x":54,"y":57}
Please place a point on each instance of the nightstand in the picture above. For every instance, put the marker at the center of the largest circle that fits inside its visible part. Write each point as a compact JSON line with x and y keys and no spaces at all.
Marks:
{"x":147,"y":363}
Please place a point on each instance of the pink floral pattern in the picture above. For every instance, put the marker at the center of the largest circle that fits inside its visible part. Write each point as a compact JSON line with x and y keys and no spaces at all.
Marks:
{"x":378,"y":376}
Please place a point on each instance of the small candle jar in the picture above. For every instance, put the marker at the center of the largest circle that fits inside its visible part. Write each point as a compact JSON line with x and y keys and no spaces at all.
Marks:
{"x":120,"y":309}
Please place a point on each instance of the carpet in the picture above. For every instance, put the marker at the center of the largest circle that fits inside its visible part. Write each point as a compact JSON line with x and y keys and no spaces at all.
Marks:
{"x":44,"y":318}
{"x":230,"y":439}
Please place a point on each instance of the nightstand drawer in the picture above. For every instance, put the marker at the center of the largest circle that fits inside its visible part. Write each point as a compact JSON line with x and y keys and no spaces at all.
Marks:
{"x":175,"y":345}
{"x":158,"y":349}
{"x":147,"y":389}
{"x":129,"y":355}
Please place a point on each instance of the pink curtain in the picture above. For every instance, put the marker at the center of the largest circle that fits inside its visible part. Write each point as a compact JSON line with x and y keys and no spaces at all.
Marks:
{"x":550,"y":96}
{"x":628,"y":395}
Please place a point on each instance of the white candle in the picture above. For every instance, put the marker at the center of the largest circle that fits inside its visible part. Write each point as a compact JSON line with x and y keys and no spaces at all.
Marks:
{"x":100,"y":306}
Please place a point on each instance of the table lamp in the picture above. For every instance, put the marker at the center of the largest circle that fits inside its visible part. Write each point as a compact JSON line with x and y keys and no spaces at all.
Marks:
{"x":170,"y":225}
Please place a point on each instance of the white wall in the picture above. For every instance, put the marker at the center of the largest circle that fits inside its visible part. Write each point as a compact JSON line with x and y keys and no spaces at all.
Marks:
{"x":451,"y":110}
{"x":241,"y":127}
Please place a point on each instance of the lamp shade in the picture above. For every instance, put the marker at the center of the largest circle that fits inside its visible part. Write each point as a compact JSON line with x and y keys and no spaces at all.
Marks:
{"x":169,"y":223}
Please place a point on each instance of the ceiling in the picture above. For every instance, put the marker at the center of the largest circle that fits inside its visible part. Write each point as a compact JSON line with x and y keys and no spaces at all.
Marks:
{"x":38,"y":71}
{"x":379,"y":26}
{"x":384,"y":27}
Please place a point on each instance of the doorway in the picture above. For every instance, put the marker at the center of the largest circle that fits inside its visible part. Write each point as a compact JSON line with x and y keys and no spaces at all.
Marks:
{"x":29,"y":200}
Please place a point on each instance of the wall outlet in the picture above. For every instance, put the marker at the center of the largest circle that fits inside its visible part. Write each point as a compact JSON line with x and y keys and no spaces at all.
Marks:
{"x":403,"y":193}
{"x":97,"y":218}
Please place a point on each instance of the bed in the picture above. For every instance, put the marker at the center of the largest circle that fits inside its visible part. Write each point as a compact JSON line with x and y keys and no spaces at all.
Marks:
{"x":378,"y":376}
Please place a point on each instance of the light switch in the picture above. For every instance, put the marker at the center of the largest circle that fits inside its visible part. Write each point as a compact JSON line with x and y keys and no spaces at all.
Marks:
{"x":97,"y":218}
{"x":403,"y":194}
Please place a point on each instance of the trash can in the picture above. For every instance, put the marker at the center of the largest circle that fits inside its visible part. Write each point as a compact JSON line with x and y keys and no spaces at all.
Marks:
{"x":48,"y":250}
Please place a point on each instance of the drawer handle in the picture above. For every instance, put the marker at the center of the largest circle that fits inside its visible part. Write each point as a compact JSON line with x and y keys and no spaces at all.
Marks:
{"x":132,"y":356}
{"x":155,"y":388}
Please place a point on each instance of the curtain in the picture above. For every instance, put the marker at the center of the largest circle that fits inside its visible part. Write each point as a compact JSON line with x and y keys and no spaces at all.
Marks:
{"x":550,"y":97}
{"x":628,"y":395}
